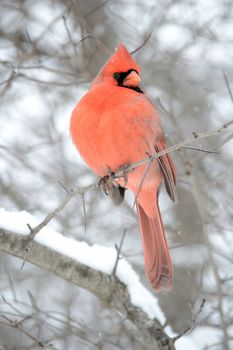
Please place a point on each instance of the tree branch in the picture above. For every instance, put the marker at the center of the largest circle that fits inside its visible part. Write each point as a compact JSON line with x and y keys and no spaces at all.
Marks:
{"x":175,"y":147}
{"x":71,"y":194}
{"x":107,"y":288}
{"x":123,"y":171}
{"x":84,"y":24}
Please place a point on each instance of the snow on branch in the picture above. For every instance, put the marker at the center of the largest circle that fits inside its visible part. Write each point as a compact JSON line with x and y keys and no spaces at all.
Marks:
{"x":89,"y":267}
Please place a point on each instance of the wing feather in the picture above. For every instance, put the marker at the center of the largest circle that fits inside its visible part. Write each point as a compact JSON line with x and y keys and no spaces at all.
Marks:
{"x":168,"y":169}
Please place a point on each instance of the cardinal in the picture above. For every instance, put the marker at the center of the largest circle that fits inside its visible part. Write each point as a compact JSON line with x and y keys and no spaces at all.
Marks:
{"x":114,"y":125}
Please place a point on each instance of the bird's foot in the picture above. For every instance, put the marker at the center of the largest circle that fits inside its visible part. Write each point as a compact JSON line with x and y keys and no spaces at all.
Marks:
{"x":106,"y":184}
{"x":123,"y":172}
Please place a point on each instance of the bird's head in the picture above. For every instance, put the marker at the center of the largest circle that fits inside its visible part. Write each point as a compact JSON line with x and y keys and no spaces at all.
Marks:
{"x":120,"y":70}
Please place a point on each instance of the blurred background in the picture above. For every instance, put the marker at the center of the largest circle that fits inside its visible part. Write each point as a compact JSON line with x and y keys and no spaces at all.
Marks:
{"x":49,"y":53}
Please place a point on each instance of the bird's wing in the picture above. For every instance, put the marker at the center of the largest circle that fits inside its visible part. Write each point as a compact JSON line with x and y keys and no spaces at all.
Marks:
{"x":168,"y":169}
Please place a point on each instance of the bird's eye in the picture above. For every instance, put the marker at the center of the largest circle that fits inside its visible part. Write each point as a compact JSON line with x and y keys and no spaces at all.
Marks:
{"x":116,"y":76}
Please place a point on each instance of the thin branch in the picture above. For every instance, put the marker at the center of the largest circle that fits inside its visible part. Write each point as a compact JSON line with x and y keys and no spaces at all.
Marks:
{"x":161,"y":21}
{"x":96,"y":8}
{"x":176,"y":147}
{"x":71,"y":194}
{"x":198,"y":197}
{"x":48,"y":317}
{"x":19,"y":312}
{"x":118,"y":249}
{"x":84,"y":38}
{"x":228,"y":86}
{"x":84,"y":211}
{"x":87,"y":28}
{"x":200,"y":150}
{"x":225,"y":140}
{"x":122,"y":172}
{"x":144,"y":43}
{"x":188,"y":328}
{"x":69,"y":34}
{"x":17,"y":325}
{"x":142,"y":179}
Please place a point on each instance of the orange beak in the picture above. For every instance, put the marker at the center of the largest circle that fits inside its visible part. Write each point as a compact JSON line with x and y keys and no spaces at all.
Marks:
{"x":132,"y":79}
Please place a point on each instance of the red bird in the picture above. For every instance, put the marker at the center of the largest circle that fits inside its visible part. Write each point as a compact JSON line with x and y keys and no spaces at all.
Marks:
{"x":114,"y":125}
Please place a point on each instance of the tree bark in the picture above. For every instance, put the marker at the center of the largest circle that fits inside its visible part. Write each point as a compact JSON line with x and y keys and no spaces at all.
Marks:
{"x":108,"y":288}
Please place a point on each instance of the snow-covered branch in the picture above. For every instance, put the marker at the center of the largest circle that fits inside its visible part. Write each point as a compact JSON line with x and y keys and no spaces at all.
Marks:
{"x":88,"y":267}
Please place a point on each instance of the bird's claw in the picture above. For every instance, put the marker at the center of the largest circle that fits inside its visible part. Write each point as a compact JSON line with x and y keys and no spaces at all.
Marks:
{"x":124,"y":172}
{"x":106,"y":184}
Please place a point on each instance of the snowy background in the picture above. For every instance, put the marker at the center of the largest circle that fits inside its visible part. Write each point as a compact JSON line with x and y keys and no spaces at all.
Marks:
{"x":47,"y":61}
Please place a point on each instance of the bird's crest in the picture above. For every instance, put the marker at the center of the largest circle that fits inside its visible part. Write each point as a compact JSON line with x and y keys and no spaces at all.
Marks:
{"x":120,"y":61}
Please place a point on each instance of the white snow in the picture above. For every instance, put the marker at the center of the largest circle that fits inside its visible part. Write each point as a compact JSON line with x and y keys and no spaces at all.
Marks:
{"x":184,"y":343}
{"x":97,"y":257}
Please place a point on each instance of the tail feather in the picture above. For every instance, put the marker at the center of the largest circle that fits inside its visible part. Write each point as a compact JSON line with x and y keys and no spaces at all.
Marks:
{"x":158,"y":263}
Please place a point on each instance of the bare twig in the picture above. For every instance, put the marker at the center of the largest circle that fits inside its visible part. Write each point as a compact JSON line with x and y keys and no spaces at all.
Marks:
{"x":87,"y":28}
{"x":142,"y":180}
{"x":118,"y":249}
{"x":69,"y":34}
{"x":48,"y":317}
{"x":71,"y":194}
{"x":225,"y":140}
{"x":27,"y":248}
{"x":84,"y":38}
{"x":84,"y":211}
{"x":197,"y":194}
{"x":7,"y":83}
{"x":123,"y":173}
{"x":200,"y":150}
{"x":17,"y":325}
{"x":176,"y":147}
{"x":228,"y":86}
{"x":96,"y":8}
{"x":188,"y":328}
{"x":19,"y":312}
{"x":144,"y":43}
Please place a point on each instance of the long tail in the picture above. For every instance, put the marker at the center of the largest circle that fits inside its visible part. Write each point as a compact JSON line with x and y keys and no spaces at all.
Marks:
{"x":158,"y":263}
